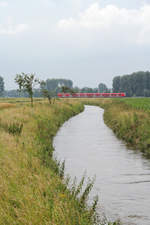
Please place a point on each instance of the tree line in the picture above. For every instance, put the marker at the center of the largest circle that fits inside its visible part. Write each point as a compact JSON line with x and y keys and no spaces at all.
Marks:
{"x":135,"y":84}
{"x":53,"y":86}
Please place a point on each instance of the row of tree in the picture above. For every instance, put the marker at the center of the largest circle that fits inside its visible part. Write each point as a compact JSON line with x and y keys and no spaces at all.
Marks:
{"x":54,"y":86}
{"x":1,"y":86}
{"x":135,"y":84}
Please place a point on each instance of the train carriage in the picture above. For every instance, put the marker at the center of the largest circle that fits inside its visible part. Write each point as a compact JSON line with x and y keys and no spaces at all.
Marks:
{"x":91,"y":95}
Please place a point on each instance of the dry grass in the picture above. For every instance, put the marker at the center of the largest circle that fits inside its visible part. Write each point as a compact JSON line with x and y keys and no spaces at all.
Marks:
{"x":6,"y":105}
{"x":131,"y":124}
{"x":30,"y":192}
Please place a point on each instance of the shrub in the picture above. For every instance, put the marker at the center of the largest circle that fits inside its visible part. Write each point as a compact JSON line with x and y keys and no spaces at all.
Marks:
{"x":15,"y":128}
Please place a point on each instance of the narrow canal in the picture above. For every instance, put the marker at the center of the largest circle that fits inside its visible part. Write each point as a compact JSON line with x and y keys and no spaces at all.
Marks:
{"x":122,"y":175}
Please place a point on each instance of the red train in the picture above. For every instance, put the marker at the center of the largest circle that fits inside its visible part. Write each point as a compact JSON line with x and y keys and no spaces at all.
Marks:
{"x":90,"y":95}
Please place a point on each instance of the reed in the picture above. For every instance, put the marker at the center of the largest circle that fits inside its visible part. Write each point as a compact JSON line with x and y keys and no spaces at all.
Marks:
{"x":32,"y":186}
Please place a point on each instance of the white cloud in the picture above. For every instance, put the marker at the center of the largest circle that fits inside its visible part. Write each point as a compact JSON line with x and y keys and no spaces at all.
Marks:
{"x":3,"y":4}
{"x":111,"y":22}
{"x":13,"y":29}
{"x":8,"y":26}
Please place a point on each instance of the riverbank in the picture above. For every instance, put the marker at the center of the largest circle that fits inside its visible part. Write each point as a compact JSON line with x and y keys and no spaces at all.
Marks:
{"x":32,"y":187}
{"x":129,"y":119}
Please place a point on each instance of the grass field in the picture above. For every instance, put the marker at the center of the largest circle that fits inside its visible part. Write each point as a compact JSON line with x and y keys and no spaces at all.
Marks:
{"x":137,"y":103}
{"x":32,"y":188}
{"x":31,"y":184}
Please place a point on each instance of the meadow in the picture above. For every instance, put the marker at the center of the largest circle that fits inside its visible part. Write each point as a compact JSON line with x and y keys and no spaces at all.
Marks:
{"x":33,"y":190}
{"x":137,"y":103}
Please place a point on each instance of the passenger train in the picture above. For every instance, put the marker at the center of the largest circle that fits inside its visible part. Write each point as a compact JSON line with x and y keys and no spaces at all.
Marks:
{"x":91,"y":95}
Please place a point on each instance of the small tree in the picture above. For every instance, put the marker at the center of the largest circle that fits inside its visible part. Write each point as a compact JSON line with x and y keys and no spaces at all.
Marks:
{"x":66,"y":89}
{"x":27,"y":82}
{"x":102,"y":88}
{"x":1,"y":86}
{"x":46,"y":94}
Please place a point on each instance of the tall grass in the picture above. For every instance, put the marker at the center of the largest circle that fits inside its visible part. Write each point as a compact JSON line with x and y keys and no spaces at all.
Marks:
{"x":32,"y":187}
{"x":129,"y":118}
{"x":137,"y":103}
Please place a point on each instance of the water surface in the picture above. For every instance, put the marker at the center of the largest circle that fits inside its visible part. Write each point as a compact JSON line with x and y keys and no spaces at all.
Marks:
{"x":122,"y":175}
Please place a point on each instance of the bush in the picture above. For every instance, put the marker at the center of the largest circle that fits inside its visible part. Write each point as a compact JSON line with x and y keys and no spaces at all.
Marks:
{"x":15,"y":128}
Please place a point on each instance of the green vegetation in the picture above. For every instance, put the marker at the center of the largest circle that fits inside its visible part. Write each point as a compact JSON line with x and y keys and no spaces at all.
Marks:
{"x":129,"y":118}
{"x":26,"y":82}
{"x":135,"y":84}
{"x":65,"y":89}
{"x":102,"y":88}
{"x":55,"y":85}
{"x":137,"y":103}
{"x":46,"y":93}
{"x":33,"y":189}
{"x":1,"y":86}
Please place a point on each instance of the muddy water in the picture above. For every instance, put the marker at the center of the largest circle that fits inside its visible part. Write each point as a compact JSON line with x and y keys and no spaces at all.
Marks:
{"x":122,"y":175}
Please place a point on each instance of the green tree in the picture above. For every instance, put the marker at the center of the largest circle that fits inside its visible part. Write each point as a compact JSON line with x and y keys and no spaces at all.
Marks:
{"x":66,"y":89}
{"x":27,"y":82}
{"x":86,"y":90}
{"x":116,"y":84}
{"x":1,"y":86}
{"x":102,"y":88}
{"x":55,"y":85}
{"x":135,"y":84}
{"x":125,"y":85}
{"x":76,"y":89}
{"x":46,"y":94}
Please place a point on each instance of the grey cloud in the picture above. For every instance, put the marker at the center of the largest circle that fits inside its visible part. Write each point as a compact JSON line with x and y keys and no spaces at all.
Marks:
{"x":86,"y":57}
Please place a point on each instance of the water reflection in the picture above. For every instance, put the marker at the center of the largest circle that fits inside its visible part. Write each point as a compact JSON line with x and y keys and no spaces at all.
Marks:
{"x":122,"y":175}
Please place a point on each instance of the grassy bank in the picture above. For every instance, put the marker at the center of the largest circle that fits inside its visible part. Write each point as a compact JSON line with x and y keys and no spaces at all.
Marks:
{"x":129,"y":118}
{"x":32,"y":189}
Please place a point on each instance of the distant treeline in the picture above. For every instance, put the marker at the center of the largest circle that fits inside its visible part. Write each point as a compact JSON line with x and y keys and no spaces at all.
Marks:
{"x":1,"y":86}
{"x":135,"y":84}
{"x":54,"y":86}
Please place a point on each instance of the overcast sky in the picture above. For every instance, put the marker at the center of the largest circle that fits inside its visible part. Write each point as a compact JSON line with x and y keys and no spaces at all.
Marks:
{"x":88,"y":41}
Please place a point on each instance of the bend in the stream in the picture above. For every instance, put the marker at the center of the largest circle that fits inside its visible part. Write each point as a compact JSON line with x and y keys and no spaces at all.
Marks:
{"x":122,"y":176}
